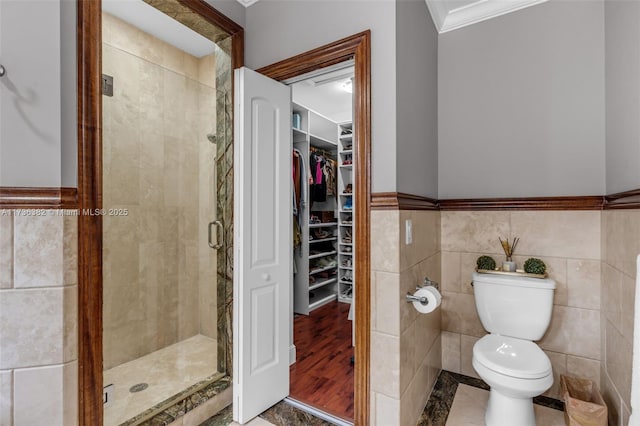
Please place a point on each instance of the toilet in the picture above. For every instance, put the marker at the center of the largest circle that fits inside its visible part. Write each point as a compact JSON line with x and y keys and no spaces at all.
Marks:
{"x":516,"y":311}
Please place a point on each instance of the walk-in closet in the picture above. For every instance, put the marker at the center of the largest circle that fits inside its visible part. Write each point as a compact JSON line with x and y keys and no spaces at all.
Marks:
{"x":324,"y":241}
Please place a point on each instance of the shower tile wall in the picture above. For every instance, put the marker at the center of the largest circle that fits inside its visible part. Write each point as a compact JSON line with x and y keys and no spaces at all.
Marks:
{"x":620,"y":246}
{"x":567,"y":241}
{"x":159,"y":273}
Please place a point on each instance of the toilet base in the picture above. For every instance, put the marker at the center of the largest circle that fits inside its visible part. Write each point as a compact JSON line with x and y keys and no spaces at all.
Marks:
{"x":504,"y":410}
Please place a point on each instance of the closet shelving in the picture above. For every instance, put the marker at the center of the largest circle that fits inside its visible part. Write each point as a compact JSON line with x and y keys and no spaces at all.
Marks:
{"x":316,"y":259}
{"x":346,"y":255}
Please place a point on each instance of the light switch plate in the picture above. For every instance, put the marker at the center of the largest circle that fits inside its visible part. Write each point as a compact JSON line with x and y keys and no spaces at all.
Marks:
{"x":408,"y":238}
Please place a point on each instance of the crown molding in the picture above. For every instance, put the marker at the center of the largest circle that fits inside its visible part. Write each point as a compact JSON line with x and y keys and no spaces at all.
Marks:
{"x":247,"y":3}
{"x":447,"y":19}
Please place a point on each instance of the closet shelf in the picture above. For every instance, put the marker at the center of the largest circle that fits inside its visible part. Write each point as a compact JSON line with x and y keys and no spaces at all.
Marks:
{"x":346,"y":253}
{"x":323,"y":240}
{"x":347,"y":152}
{"x":322,"y":301}
{"x":326,"y":268}
{"x":346,"y":137}
{"x":322,"y":225}
{"x":346,"y":166}
{"x":322,"y":283}
{"x":346,"y":282}
{"x":347,"y":194}
{"x":349,"y":268}
{"x":347,"y":225}
{"x":326,"y":253}
{"x":346,"y":244}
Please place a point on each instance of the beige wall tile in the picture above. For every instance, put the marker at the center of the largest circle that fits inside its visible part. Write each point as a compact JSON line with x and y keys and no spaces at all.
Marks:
{"x":573,"y":331}
{"x":468,"y":264}
{"x":611,"y":398}
{"x":569,"y":234}
{"x":559,"y":366}
{"x":434,"y":362}
{"x":451,"y":351}
{"x":70,"y":250}
{"x":70,"y":324}
{"x":459,"y":314}
{"x":37,"y":397}
{"x":213,"y":406}
{"x":451,"y":272}
{"x":408,"y":347}
{"x":387,"y":410}
{"x":466,"y":355}
{"x":385,"y":364}
{"x":584,"y":368}
{"x":6,"y":398}
{"x":387,"y":304}
{"x":426,"y":233}
{"x":627,"y":306}
{"x":427,"y":332}
{"x":583,"y":282}
{"x":38,"y":251}
{"x":31,"y":327}
{"x":618,"y":363}
{"x":611,"y":294}
{"x":70,"y":394}
{"x":557,"y":270}
{"x":385,"y":253}
{"x":410,"y":402}
{"x":6,"y":251}
{"x":476,"y":232}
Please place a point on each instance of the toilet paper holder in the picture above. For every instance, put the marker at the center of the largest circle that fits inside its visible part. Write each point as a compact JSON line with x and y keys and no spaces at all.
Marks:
{"x":410,"y":298}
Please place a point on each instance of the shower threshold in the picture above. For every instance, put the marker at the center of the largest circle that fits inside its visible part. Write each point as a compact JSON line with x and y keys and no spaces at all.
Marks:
{"x":172,"y":375}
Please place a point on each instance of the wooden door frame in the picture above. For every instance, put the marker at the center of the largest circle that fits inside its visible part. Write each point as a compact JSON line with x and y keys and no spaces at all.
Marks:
{"x":357,"y":47}
{"x":89,"y":69}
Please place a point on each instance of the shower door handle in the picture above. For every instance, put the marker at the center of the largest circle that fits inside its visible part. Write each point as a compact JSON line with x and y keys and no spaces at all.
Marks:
{"x":217,"y":245}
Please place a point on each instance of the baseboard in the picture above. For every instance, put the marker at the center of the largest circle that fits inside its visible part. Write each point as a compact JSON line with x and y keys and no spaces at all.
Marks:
{"x":292,"y":354}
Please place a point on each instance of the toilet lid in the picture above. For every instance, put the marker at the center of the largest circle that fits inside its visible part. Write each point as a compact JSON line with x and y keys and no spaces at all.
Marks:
{"x":512,"y":357}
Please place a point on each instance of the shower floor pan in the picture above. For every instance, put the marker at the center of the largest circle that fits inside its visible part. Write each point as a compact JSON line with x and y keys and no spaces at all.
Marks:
{"x":170,"y":373}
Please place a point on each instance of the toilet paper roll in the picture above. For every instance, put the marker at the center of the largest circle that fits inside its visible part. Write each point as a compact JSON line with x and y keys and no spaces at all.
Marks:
{"x":433,"y":299}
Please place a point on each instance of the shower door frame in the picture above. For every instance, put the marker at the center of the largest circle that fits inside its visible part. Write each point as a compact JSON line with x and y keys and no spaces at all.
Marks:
{"x":89,"y":96}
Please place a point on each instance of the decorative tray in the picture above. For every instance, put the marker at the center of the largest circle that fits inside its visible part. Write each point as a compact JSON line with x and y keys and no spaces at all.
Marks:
{"x":518,"y":273}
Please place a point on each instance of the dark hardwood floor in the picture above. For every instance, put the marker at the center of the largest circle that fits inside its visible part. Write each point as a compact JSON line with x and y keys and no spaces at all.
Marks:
{"x":323,"y":374}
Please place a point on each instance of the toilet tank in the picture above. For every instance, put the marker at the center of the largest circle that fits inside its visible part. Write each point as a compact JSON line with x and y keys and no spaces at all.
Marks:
{"x":514,"y":306}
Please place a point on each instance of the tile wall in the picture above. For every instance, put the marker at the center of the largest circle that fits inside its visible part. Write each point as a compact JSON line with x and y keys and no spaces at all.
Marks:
{"x":567,"y":241}
{"x":620,"y":246}
{"x":405,"y":345}
{"x":159,"y":272}
{"x":38,"y":318}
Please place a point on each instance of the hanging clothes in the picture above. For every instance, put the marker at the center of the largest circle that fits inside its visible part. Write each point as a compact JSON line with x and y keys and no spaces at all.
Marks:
{"x":330,"y":172}
{"x":319,"y":187}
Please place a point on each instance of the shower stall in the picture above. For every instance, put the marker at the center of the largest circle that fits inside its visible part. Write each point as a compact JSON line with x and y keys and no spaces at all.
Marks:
{"x":167,"y":231}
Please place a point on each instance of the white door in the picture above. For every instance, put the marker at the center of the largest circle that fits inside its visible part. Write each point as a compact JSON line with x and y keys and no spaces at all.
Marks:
{"x":262,"y":243}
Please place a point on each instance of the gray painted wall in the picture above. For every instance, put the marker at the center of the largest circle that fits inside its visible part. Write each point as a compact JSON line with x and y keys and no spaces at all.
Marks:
{"x":417,"y":99}
{"x":231,"y":9}
{"x":279,"y":29}
{"x":521,"y":104}
{"x":622,"y":23}
{"x":30,"y":93}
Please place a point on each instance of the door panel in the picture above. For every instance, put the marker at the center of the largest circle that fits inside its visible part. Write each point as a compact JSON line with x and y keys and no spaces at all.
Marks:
{"x":262,"y":240}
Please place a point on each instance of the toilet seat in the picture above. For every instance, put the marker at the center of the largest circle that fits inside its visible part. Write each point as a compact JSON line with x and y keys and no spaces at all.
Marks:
{"x":512,"y":357}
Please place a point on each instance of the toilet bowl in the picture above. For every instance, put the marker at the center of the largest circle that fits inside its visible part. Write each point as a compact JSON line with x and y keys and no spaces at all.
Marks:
{"x":515,"y":311}
{"x":516,"y":370}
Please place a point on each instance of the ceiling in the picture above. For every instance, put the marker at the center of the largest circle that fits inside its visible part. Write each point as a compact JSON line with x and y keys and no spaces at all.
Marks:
{"x":150,"y":20}
{"x":325,"y":95}
{"x":450,"y":15}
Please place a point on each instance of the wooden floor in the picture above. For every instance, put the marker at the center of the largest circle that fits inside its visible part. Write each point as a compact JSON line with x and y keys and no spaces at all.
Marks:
{"x":323,"y":374}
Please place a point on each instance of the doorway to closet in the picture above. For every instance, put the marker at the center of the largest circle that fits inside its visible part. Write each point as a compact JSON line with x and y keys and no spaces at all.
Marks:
{"x":324,"y":255}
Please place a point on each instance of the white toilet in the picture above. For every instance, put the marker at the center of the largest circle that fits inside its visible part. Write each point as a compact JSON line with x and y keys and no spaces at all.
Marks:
{"x":516,"y":311}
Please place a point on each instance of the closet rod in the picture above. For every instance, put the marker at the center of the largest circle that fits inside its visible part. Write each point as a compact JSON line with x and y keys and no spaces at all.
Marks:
{"x":320,"y":150}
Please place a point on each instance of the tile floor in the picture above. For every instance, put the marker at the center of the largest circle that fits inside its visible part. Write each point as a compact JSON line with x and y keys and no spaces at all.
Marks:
{"x":470,"y":402}
{"x":167,"y":371}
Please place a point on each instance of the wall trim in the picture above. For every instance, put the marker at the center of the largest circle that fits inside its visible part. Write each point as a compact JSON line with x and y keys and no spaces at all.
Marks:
{"x":595,"y":202}
{"x":38,"y":198}
{"x":401,"y":201}
{"x":623,"y":200}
